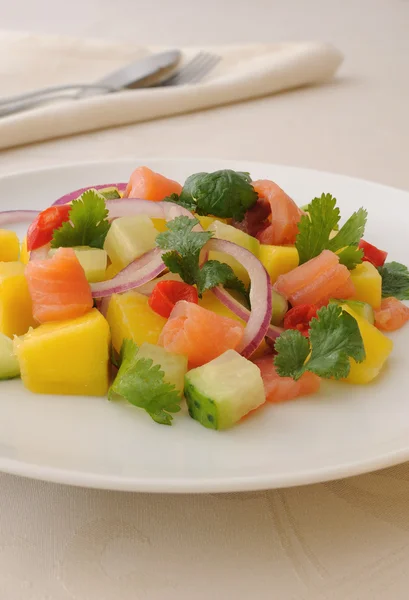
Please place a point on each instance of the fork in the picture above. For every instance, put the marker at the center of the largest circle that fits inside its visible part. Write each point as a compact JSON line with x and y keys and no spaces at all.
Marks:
{"x":192,"y":72}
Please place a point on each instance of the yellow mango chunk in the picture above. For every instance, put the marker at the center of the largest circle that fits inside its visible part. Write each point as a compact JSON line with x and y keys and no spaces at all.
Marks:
{"x":24,"y":253}
{"x":207,"y":220}
{"x":66,"y":357}
{"x":368,"y":284}
{"x":278,"y":260}
{"x":211,"y":302}
{"x":16,"y":312}
{"x":9,"y":245}
{"x":159,"y":225}
{"x":377,"y":349}
{"x":130,"y":317}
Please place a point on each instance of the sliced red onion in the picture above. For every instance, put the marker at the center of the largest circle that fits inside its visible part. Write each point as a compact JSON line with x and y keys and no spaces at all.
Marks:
{"x":258,"y":321}
{"x":40,"y":253}
{"x":129,"y":207}
{"x":9,"y":217}
{"x":77,"y":193}
{"x":140,"y":271}
{"x":273,"y":332}
{"x":148,"y":288}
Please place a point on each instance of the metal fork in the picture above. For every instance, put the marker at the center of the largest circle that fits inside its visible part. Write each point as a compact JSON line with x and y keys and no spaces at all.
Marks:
{"x":192,"y":72}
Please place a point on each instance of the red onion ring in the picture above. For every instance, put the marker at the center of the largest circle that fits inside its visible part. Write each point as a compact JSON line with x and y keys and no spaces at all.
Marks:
{"x":140,"y":271}
{"x":76,"y":193}
{"x":258,"y":321}
{"x":8,"y":217}
{"x":273,"y":332}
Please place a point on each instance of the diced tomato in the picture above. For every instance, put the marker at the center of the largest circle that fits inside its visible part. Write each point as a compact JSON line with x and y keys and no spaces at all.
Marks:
{"x":166,"y":293}
{"x":41,"y":229}
{"x":299,"y":318}
{"x":372,"y":254}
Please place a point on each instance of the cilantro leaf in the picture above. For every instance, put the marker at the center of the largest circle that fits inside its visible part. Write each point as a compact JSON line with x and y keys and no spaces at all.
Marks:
{"x":314,"y":229}
{"x":351,"y":256}
{"x":184,"y":247}
{"x":334,"y":339}
{"x":292,"y":351}
{"x":215,"y":273}
{"x":351,"y":232}
{"x":223,"y":193}
{"x":314,"y":232}
{"x":395,"y":280}
{"x":142,"y":384}
{"x":88,"y":224}
{"x":183,"y":257}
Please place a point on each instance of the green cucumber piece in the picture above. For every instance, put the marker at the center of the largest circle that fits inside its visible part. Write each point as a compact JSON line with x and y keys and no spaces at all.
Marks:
{"x":224,"y":390}
{"x":362,"y":309}
{"x":128,"y":238}
{"x":110,"y":193}
{"x":173,"y":365}
{"x":9,"y":367}
{"x":279,"y":308}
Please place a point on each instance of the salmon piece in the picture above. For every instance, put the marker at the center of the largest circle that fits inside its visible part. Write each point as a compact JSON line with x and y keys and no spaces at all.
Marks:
{"x":199,"y":334}
{"x":280,"y":389}
{"x":316,"y":281}
{"x":392,"y":314}
{"x":148,"y":185}
{"x":58,"y":287}
{"x":285,"y":214}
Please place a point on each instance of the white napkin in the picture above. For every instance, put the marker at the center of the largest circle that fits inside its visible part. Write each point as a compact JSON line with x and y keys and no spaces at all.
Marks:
{"x":28,"y":62}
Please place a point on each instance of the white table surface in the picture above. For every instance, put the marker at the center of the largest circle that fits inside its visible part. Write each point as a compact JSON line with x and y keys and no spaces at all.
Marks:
{"x":345,"y":540}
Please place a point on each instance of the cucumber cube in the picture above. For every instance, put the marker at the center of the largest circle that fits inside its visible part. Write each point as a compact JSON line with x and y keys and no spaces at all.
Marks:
{"x":9,"y":367}
{"x":224,"y":390}
{"x":129,"y":238}
{"x":173,"y":365}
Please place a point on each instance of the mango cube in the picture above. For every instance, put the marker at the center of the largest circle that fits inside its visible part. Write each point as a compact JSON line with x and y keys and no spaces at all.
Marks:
{"x":368,"y":284}
{"x":66,"y":357}
{"x":130,"y":317}
{"x":278,"y":260}
{"x":24,"y":253}
{"x":9,"y":245}
{"x":377,"y":349}
{"x":16,"y":312}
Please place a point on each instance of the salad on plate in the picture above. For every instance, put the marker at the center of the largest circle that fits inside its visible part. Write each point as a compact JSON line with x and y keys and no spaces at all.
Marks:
{"x":222,"y":293}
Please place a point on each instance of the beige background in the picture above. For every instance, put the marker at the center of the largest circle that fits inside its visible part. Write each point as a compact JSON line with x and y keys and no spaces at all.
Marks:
{"x":337,"y":541}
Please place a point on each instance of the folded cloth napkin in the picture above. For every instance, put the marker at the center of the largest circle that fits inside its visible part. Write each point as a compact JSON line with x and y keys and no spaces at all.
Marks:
{"x":29,"y":62}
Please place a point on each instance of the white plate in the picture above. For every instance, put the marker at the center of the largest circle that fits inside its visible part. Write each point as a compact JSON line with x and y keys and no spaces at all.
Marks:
{"x":344,"y":430}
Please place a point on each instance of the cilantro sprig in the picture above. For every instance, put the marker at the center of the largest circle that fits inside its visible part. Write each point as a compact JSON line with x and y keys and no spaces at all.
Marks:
{"x":315,"y":231}
{"x":183,"y":246}
{"x":143,"y":384}
{"x":224,"y":193}
{"x":395,"y":280}
{"x":334,"y":339}
{"x":88,"y":223}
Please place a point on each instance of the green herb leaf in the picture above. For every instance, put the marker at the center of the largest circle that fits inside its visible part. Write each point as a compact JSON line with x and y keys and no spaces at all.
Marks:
{"x":223,"y":194}
{"x":215,"y":273}
{"x":186,"y":202}
{"x":142,"y":384}
{"x":351,"y":256}
{"x":395,"y":280}
{"x":315,"y":231}
{"x":334,"y":339}
{"x":88,"y":224}
{"x":184,"y":246}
